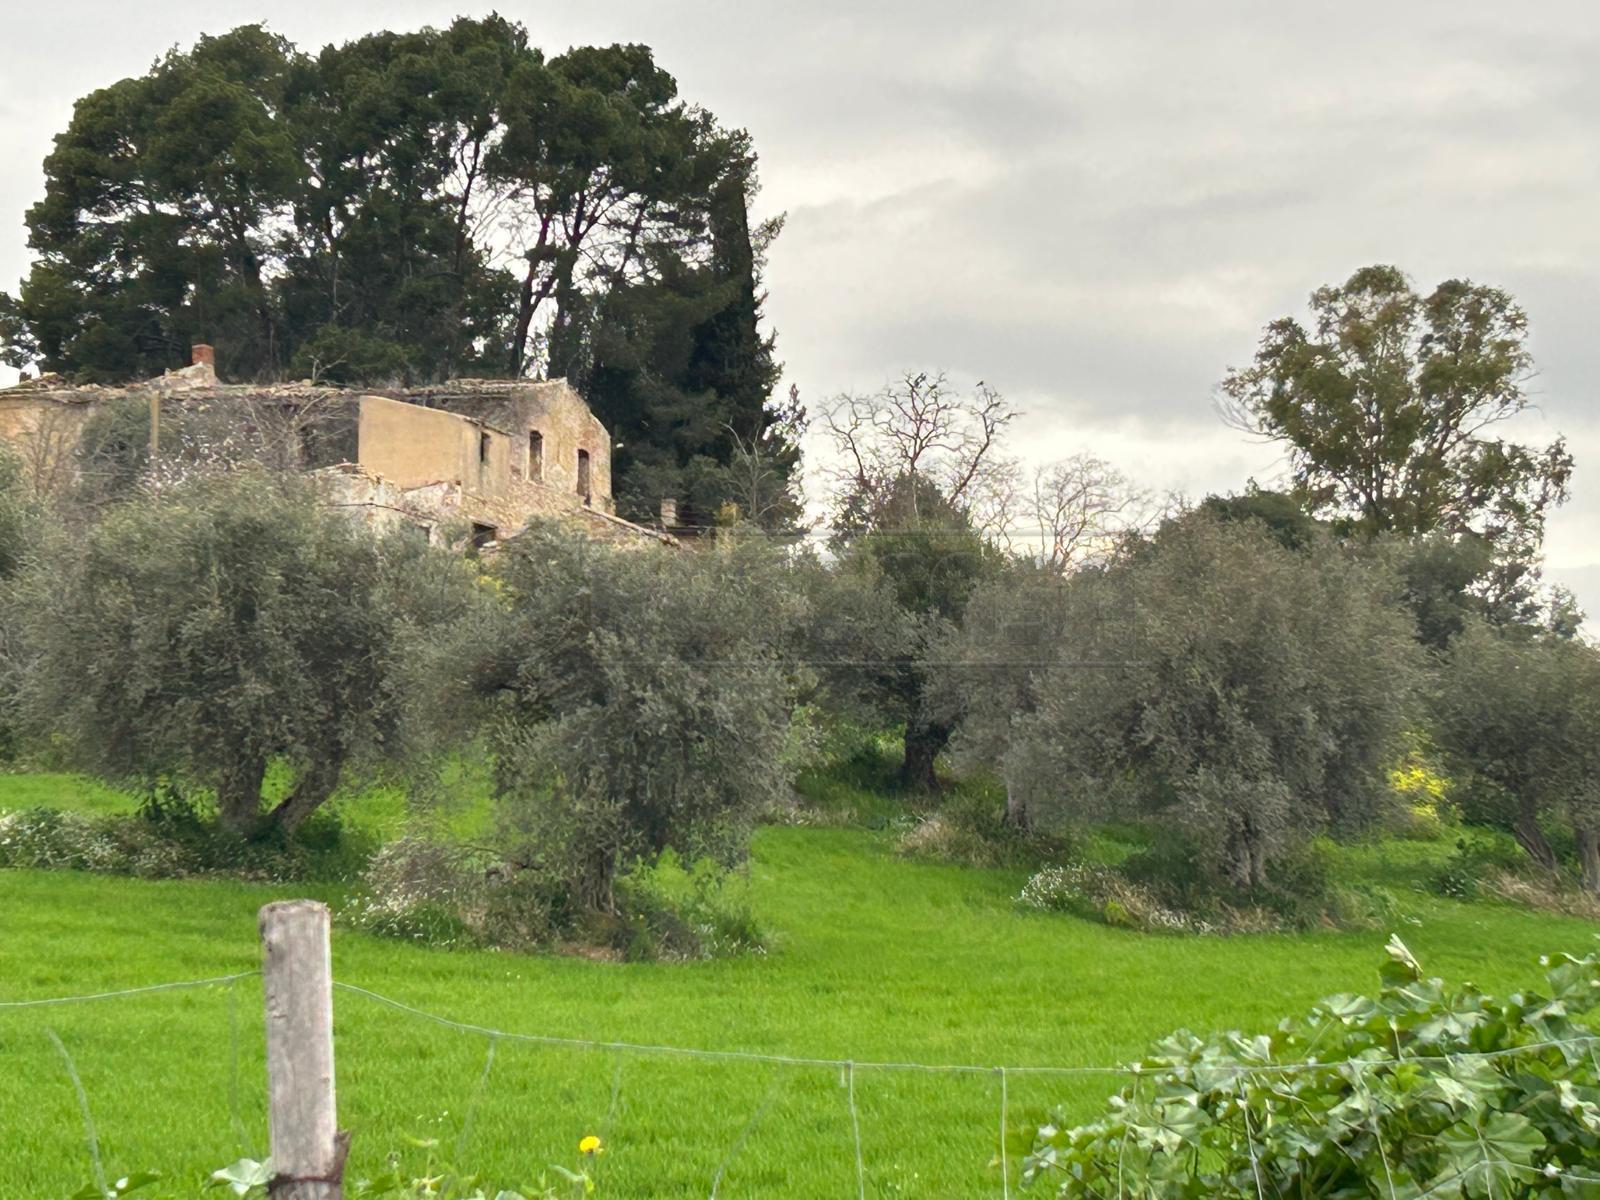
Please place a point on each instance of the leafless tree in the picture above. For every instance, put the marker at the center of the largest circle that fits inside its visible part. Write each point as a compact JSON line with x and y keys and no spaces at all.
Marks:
{"x":1080,"y":506}
{"x":919,"y":426}
{"x":47,"y":450}
{"x":765,"y":485}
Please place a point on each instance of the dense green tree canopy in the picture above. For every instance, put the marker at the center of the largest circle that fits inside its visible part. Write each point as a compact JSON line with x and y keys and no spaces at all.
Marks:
{"x":1384,"y":403}
{"x":1518,"y":717}
{"x":418,"y":206}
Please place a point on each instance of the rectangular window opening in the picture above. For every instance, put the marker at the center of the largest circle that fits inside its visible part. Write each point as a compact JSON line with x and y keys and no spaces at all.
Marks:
{"x":583,"y":475}
{"x":535,"y":455}
{"x":483,"y":449}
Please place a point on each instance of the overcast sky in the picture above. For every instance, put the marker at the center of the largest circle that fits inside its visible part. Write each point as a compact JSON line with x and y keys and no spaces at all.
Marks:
{"x":1093,"y":206}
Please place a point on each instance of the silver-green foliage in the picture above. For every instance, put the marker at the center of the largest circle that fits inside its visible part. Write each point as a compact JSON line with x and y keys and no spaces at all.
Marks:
{"x":1421,"y":1091}
{"x":1229,"y":688}
{"x":636,"y":700}
{"x":1518,"y":717}
{"x":215,"y":625}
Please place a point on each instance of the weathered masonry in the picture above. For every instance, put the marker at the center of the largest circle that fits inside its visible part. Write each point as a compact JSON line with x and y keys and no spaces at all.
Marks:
{"x":471,"y":461}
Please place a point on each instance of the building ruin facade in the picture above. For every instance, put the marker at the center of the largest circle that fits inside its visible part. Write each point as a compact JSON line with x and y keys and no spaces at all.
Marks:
{"x":469,"y":462}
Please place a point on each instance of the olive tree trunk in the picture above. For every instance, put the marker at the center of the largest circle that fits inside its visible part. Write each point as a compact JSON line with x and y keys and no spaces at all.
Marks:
{"x":239,"y":794}
{"x":1588,"y":838}
{"x":923,"y":742}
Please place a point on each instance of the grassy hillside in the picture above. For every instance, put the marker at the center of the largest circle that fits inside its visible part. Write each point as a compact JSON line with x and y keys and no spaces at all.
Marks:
{"x":875,"y":959}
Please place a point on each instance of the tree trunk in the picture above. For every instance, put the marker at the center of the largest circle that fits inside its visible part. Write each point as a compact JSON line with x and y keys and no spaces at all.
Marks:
{"x":1588,"y":837}
{"x":311,"y":790}
{"x":239,"y":795}
{"x":525,"y":305}
{"x":1531,"y":838}
{"x":924,"y":740}
{"x":1017,"y":809}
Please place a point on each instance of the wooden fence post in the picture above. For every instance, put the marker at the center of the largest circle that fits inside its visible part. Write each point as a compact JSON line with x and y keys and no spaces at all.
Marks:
{"x":308,"y":1150}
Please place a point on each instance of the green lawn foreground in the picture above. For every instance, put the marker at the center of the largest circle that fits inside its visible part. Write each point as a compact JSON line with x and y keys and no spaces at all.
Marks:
{"x":875,"y":959}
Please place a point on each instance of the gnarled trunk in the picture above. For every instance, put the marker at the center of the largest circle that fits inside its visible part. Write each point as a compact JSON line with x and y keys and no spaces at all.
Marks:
{"x":311,"y":790}
{"x":1017,"y":815}
{"x":924,"y":740}
{"x":239,"y":794}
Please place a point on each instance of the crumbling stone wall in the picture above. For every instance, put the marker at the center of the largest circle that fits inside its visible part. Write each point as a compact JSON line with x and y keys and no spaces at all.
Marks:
{"x":43,"y":429}
{"x":493,"y":454}
{"x":519,"y":409}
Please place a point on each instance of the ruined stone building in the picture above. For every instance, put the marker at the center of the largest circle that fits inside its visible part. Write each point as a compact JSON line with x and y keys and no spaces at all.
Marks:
{"x":471,"y":461}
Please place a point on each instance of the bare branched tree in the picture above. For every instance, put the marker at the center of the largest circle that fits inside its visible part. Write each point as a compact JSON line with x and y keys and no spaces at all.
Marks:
{"x":1080,"y":507}
{"x":919,"y":427}
{"x":46,"y":451}
{"x":764,"y":482}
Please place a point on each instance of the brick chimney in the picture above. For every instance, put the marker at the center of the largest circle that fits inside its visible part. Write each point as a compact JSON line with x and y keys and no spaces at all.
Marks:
{"x":669,"y":512}
{"x":201,"y":354}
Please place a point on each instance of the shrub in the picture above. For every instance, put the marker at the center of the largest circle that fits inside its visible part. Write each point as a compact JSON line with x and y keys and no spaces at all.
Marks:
{"x":174,"y":843}
{"x":970,"y":828}
{"x":1518,"y":716}
{"x":1157,"y":890}
{"x":1477,"y":860}
{"x":667,"y":910}
{"x":448,"y":895}
{"x":1105,"y":894}
{"x":1422,"y":1091}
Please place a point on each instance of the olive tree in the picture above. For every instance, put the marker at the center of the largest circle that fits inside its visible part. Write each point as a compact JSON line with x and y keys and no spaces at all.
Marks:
{"x":634,"y":700}
{"x":208,"y":629}
{"x":19,"y":527}
{"x":1210,"y":680}
{"x":1518,"y":717}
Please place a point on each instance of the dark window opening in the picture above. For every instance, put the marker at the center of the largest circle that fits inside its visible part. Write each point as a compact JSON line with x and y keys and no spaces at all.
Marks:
{"x":583,"y":475}
{"x":482,"y":536}
{"x":483,"y":449}
{"x":535,"y":454}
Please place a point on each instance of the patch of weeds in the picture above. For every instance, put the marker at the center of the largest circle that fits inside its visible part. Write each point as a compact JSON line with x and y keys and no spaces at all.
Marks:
{"x":450,"y":895}
{"x":173,"y":835}
{"x":669,"y":910}
{"x":1488,"y":864}
{"x":970,"y":828}
{"x":1160,"y":890}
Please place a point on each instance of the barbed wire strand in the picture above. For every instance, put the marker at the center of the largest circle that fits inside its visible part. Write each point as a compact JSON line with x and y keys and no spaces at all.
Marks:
{"x":616,"y":1092}
{"x":855,"y":1131}
{"x":1133,"y":1069}
{"x":1005,"y":1164}
{"x":749,"y":1127}
{"x":715,"y":1055}
{"x":241,"y":1136}
{"x":477,"y":1096}
{"x":83,"y":1107}
{"x":133,"y":991}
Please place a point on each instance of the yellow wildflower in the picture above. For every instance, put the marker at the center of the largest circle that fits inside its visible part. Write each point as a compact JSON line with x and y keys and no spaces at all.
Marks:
{"x":590,"y":1145}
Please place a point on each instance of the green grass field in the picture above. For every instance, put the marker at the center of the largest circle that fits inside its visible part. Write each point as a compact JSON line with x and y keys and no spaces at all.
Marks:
{"x":875,"y":958}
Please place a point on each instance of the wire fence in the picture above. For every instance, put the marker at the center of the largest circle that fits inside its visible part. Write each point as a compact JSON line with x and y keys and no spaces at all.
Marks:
{"x":848,"y":1069}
